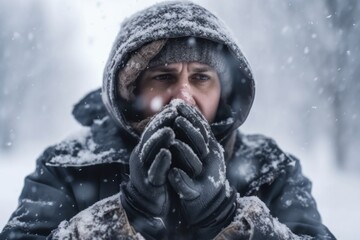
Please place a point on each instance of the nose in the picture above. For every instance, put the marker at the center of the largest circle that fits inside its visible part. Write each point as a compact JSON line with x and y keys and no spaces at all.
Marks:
{"x":182,"y":90}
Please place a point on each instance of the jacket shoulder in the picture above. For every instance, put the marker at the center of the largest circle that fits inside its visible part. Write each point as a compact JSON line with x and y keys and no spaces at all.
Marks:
{"x":88,"y":146}
{"x":258,"y":160}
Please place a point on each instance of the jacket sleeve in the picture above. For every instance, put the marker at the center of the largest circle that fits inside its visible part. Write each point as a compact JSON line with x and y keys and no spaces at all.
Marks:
{"x":43,"y":203}
{"x":286,"y":210}
{"x":254,"y":221}
{"x":106,"y":219}
{"x":47,"y":201}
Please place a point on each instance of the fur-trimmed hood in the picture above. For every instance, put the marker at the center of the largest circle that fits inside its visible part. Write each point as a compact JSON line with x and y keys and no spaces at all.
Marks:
{"x":172,"y":20}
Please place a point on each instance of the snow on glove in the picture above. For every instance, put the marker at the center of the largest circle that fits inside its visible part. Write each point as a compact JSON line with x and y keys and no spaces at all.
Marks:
{"x":199,"y":178}
{"x":145,"y":196}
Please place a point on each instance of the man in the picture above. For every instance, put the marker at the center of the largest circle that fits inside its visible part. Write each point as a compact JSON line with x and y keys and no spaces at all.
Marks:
{"x":162,"y":157}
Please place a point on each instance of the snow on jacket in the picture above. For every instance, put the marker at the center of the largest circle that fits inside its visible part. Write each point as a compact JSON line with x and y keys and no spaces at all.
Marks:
{"x":74,"y":190}
{"x":75,"y":186}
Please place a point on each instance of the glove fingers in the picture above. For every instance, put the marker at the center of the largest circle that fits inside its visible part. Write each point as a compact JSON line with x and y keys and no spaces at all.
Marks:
{"x":182,"y":184}
{"x":161,"y":139}
{"x":196,"y":119}
{"x":185,"y":158}
{"x":187,"y":133}
{"x":163,"y":119}
{"x":157,"y":173}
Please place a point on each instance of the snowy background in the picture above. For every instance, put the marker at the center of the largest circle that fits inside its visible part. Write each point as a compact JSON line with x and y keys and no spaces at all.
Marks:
{"x":305,"y":58}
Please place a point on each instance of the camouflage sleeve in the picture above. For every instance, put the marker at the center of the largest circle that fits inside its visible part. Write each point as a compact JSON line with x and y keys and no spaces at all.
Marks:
{"x":106,"y":219}
{"x":254,"y":221}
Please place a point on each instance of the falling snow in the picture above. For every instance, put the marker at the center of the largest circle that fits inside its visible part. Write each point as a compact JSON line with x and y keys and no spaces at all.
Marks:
{"x":284,"y":119}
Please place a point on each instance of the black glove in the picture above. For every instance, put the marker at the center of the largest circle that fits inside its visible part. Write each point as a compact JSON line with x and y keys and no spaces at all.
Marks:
{"x":145,"y":196}
{"x":199,"y":178}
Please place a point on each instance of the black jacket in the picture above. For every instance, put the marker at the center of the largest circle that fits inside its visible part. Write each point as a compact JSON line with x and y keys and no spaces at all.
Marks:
{"x":80,"y":171}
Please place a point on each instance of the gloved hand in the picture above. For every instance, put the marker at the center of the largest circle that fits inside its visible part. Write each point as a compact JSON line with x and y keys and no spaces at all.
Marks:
{"x":199,"y":175}
{"x":145,"y":196}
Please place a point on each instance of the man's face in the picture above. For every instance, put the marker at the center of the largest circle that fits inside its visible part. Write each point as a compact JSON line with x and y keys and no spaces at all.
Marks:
{"x":195,"y":83}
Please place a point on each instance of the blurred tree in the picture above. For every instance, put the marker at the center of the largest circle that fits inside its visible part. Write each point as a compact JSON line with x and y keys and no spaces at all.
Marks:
{"x":334,"y":60}
{"x":19,"y":22}
{"x":344,"y":16}
{"x":39,"y":72}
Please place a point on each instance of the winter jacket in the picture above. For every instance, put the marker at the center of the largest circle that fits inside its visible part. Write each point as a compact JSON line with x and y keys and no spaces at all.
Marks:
{"x":74,"y":190}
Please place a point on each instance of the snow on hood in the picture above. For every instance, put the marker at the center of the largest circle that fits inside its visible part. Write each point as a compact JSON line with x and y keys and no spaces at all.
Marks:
{"x":171,"y":20}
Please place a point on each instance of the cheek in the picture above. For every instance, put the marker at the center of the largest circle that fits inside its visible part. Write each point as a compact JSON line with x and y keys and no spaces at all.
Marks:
{"x":208,"y":104}
{"x":152,"y":101}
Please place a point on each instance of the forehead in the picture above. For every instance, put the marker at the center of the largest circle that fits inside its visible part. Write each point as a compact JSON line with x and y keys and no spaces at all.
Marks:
{"x":190,"y":66}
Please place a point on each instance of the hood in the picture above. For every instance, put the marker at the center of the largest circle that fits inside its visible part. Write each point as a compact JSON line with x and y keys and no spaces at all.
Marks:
{"x":172,"y":20}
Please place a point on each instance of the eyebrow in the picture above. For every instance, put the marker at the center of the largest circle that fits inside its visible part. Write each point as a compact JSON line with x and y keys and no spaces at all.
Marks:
{"x":203,"y":69}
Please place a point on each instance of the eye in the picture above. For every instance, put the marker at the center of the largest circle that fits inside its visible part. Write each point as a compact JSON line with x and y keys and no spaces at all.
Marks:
{"x":163,"y":77}
{"x":201,"y":77}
